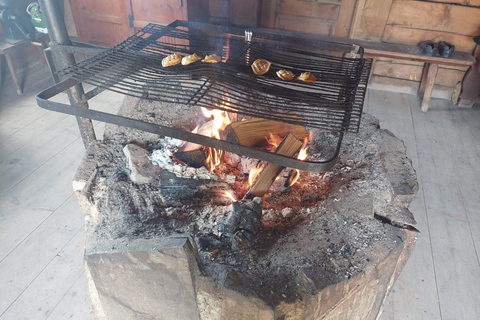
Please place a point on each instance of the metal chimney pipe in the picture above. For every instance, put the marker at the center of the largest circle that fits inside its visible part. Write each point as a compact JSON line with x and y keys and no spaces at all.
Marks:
{"x":59,"y":36}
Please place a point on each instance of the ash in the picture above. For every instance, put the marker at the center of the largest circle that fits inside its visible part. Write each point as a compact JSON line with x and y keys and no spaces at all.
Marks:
{"x":314,"y":234}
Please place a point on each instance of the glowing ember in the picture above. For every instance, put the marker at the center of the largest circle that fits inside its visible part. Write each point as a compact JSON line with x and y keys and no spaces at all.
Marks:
{"x":302,"y":155}
{"x":230,"y":196}
{"x":253,"y":175}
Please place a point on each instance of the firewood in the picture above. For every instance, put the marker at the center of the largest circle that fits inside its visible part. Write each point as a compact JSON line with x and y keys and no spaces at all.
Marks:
{"x":195,"y":158}
{"x":193,"y":154}
{"x":289,"y":147}
{"x":253,"y":132}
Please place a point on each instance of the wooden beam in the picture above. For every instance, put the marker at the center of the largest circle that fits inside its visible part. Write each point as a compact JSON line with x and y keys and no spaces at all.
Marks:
{"x":370,"y":19}
{"x":345,"y":17}
{"x":290,"y":146}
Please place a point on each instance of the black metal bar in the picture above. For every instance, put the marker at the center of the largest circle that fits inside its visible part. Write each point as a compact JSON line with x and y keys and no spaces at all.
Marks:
{"x":59,"y":36}
{"x":77,"y":50}
{"x":43,"y":101}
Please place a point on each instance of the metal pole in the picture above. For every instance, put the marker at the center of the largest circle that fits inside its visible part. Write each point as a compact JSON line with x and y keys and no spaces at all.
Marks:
{"x":59,"y":36}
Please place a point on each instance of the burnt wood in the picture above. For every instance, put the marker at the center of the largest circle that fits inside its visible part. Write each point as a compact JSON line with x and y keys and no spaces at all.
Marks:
{"x":290,"y":146}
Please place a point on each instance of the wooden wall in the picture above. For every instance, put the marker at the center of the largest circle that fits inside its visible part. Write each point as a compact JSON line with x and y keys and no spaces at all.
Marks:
{"x":394,"y":21}
{"x":411,"y":22}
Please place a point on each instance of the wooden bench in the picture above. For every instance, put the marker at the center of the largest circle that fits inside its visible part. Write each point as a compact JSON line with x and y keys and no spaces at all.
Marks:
{"x":413,"y":53}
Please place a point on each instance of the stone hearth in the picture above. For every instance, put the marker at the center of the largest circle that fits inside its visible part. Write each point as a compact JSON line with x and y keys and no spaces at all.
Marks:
{"x":158,"y":245}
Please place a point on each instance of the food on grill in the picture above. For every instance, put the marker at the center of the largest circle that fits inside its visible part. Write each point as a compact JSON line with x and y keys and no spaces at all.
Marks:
{"x":261,"y":66}
{"x":307,"y":77}
{"x":212,"y":58}
{"x":285,"y":74}
{"x":171,"y":60}
{"x":190,"y":59}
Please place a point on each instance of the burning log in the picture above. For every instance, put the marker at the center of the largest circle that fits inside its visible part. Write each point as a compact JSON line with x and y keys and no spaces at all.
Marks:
{"x":193,"y":154}
{"x":252,"y":132}
{"x":289,"y":147}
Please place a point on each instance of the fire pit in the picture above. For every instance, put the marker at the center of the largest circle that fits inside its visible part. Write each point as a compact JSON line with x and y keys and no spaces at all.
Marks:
{"x":230,"y":203}
{"x":173,"y":245}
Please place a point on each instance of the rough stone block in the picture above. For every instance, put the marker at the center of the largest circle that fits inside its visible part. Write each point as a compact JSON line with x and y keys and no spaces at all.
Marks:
{"x":142,"y":170}
{"x":143,"y":279}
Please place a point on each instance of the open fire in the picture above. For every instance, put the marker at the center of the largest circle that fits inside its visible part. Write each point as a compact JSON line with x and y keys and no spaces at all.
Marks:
{"x":217,"y":125}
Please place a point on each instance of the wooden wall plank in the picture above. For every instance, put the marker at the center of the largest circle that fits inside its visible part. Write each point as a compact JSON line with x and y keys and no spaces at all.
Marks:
{"x":370,"y":19}
{"x":432,"y":16}
{"x":345,"y":16}
{"x":268,"y":13}
{"x":219,"y":8}
{"x":462,"y":2}
{"x":244,"y":12}
{"x":412,"y":36}
{"x":311,"y":9}
{"x":304,"y":24}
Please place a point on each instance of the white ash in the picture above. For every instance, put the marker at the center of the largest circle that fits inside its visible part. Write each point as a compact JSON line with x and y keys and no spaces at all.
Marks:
{"x":249,"y":164}
{"x":232,"y":159}
{"x":230,"y":179}
{"x":163,"y":158}
{"x":163,"y":155}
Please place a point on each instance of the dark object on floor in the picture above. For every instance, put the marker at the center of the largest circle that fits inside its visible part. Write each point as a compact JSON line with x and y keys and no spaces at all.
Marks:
{"x":445,"y":49}
{"x":17,"y":26}
{"x":477,"y":39}
{"x":429,"y":48}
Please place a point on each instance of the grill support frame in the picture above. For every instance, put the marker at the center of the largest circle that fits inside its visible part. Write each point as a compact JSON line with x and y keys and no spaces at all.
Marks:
{"x":43,"y":100}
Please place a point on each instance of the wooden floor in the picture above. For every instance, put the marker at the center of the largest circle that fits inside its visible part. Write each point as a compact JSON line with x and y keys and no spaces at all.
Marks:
{"x":41,"y":226}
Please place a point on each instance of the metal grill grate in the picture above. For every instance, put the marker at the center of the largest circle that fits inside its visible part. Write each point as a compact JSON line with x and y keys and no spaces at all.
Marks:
{"x":134,"y":68}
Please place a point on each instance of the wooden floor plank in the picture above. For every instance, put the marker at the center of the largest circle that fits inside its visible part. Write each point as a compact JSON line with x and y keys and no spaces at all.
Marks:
{"x":12,"y":216}
{"x":27,"y":159}
{"x":29,"y":258}
{"x":393,"y":111}
{"x":53,"y":179}
{"x":75,"y":305}
{"x":50,"y":286}
{"x":456,"y":267}
{"x":29,"y":202}
{"x":466,"y":156}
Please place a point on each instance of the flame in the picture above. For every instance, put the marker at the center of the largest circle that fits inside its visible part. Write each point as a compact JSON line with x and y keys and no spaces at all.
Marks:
{"x":302,"y":155}
{"x":253,"y":175}
{"x":274,"y":140}
{"x":220,"y":120}
{"x":230,"y":196}
{"x":196,"y":129}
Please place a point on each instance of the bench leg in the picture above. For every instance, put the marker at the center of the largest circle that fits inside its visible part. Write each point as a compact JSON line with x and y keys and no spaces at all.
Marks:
{"x":0,"y":71}
{"x":426,"y":86}
{"x":12,"y":72}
